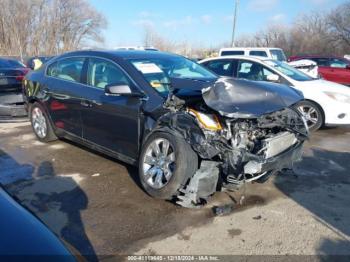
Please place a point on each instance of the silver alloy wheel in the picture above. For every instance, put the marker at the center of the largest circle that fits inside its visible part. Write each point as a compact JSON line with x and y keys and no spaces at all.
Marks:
{"x":310,"y":114}
{"x":158,"y":163}
{"x":39,"y":122}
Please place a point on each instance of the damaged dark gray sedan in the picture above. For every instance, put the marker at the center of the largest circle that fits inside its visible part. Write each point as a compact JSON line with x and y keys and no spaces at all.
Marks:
{"x":185,"y":127}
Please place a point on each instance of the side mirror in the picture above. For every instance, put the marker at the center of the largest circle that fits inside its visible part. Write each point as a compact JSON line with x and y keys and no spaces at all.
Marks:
{"x":347,"y":67}
{"x":273,"y":78}
{"x":120,"y":90}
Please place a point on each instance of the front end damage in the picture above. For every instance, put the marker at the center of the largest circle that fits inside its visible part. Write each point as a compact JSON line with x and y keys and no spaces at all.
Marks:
{"x":242,"y":133}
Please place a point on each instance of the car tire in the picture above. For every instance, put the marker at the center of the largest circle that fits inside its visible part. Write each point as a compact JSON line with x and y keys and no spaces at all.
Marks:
{"x":180,"y":160}
{"x":313,"y":114}
{"x":41,"y":125}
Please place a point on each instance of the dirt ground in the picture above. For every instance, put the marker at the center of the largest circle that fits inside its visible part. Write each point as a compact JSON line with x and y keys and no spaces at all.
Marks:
{"x":95,"y":203}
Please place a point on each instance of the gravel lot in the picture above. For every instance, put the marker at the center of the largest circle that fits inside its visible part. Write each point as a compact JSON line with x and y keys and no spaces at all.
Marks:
{"x":95,"y":203}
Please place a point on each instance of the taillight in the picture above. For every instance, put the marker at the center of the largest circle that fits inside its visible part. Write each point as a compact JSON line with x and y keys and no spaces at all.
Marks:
{"x":21,"y":73}
{"x":19,"y":78}
{"x":25,"y":70}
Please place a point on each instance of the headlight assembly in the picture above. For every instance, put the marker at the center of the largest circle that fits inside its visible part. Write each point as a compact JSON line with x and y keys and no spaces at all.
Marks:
{"x":338,"y":96}
{"x":208,"y":121}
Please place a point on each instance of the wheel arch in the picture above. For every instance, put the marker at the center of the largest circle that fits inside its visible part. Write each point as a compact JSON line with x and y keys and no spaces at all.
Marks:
{"x":183,"y":125}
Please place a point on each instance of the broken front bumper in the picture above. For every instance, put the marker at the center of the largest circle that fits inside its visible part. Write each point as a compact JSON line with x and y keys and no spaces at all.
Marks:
{"x":12,"y":107}
{"x":282,"y":161}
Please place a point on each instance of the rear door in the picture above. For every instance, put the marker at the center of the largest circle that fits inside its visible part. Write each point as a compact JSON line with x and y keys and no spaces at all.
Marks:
{"x":64,"y":88}
{"x":110,"y":121}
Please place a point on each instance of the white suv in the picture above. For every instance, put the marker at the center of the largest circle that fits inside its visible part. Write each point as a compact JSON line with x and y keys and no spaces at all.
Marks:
{"x":266,"y":52}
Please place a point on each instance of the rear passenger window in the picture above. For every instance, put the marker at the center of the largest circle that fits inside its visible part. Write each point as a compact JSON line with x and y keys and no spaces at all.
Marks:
{"x":69,"y":69}
{"x":102,"y":73}
{"x":221,"y":67}
{"x":226,"y":53}
{"x":258,"y":53}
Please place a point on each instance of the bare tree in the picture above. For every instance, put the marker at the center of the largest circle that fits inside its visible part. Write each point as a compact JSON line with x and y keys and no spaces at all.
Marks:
{"x":33,"y":27}
{"x":339,"y":23}
{"x":152,"y":38}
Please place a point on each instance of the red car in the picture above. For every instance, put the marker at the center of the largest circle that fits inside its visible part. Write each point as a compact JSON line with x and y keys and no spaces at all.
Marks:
{"x":331,"y":68}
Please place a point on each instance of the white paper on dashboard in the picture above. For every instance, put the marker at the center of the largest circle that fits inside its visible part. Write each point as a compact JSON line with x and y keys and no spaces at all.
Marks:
{"x":148,"y":68}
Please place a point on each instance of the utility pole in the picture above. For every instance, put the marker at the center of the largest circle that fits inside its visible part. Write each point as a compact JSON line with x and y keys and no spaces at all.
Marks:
{"x":234,"y":23}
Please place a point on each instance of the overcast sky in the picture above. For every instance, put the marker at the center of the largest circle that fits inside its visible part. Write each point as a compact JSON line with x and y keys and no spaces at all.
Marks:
{"x":200,"y":22}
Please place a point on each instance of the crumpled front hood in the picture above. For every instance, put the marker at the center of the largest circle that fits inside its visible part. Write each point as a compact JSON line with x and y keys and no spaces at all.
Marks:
{"x":248,"y":99}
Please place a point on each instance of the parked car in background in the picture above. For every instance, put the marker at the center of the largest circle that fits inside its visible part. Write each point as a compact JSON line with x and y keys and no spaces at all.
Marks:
{"x":25,"y":238}
{"x":180,"y":123}
{"x":306,"y":66}
{"x":12,"y":73}
{"x":331,"y":68}
{"x":325,"y":103}
{"x":266,"y":52}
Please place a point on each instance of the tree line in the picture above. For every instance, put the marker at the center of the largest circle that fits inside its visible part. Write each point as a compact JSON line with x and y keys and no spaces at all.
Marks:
{"x":48,"y":27}
{"x":313,"y":33}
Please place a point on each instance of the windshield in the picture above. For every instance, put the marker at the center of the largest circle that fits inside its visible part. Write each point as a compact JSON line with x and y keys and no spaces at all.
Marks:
{"x":278,"y":54}
{"x":289,"y":71}
{"x":159,"y":71}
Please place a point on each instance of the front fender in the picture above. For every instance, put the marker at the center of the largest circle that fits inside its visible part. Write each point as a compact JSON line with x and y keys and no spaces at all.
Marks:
{"x":184,"y":125}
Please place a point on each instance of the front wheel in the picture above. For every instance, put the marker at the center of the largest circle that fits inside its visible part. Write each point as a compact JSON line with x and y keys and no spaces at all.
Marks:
{"x":40,"y":123}
{"x":166,"y":163}
{"x":312,"y":113}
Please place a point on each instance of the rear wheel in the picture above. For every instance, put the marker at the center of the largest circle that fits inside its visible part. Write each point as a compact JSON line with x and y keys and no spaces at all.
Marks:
{"x":166,"y":163}
{"x":312,"y":113}
{"x":40,"y":123}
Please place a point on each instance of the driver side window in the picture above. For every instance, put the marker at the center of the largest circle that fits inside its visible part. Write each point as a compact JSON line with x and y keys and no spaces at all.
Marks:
{"x":102,"y":73}
{"x":253,"y":71}
{"x":250,"y":70}
{"x":267,"y":72}
{"x":337,"y":63}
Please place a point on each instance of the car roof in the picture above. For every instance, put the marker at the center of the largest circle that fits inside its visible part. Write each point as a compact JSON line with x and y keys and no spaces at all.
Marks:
{"x":122,"y":54}
{"x":249,"y":48}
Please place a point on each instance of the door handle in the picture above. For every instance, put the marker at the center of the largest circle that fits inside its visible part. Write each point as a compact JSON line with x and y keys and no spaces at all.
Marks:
{"x":85,"y":103}
{"x":46,"y":91}
{"x":96,"y":103}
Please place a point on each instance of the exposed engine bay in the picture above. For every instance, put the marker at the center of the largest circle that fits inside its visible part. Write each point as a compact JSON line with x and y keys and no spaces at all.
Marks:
{"x":242,"y":143}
